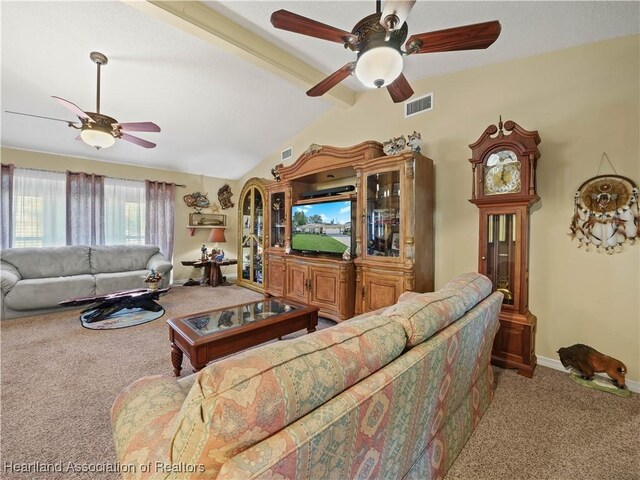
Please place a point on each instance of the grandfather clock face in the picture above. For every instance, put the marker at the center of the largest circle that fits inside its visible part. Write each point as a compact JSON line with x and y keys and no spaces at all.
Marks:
{"x":502,"y":173}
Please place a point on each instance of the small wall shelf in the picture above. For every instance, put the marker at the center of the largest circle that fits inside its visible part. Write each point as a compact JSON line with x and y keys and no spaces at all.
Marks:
{"x":206,"y":220}
{"x":192,"y":229}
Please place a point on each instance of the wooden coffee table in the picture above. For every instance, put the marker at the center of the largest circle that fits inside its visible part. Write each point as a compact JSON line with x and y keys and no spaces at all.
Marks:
{"x":212,"y":334}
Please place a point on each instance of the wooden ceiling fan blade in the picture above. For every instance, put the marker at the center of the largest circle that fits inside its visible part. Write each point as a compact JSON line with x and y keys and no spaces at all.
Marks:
{"x":399,"y":89}
{"x":292,"y":22}
{"x":40,"y":116}
{"x":137,"y":140}
{"x":468,"y":37}
{"x":73,"y":108}
{"x":332,"y":80}
{"x":138,"y":127}
{"x":398,"y":8}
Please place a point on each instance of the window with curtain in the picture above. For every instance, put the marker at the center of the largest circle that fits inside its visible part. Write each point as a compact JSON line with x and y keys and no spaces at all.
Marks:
{"x":42,"y":208}
{"x":39,"y":208}
{"x":124,"y":211}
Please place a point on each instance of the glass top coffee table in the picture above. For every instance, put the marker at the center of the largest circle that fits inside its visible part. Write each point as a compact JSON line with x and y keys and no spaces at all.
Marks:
{"x":208,"y":335}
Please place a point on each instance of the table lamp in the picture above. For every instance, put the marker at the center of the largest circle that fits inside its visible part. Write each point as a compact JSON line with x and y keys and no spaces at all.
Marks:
{"x":217,"y":236}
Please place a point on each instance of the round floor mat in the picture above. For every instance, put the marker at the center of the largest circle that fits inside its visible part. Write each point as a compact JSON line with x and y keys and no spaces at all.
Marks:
{"x":127,"y":317}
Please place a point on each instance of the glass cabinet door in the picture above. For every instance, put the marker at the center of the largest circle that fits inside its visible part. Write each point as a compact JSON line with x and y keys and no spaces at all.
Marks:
{"x":252,"y":230}
{"x":278,"y":220}
{"x":258,"y":234}
{"x":382,"y":229}
{"x":247,"y":240}
{"x":501,"y":248}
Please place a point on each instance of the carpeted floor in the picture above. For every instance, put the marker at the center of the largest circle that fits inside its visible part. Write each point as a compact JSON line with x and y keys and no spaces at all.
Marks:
{"x":59,"y":381}
{"x":550,"y":428}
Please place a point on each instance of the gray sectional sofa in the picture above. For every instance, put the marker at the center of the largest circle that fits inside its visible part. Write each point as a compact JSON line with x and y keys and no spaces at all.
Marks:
{"x":34,"y":280}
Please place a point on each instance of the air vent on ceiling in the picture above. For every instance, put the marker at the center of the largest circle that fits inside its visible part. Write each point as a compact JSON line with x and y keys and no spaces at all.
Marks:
{"x":286,"y":154}
{"x":419,"y":105}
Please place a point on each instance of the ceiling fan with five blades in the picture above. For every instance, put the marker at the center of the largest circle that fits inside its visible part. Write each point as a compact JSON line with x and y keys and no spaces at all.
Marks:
{"x":99,"y":130}
{"x":378,"y":39}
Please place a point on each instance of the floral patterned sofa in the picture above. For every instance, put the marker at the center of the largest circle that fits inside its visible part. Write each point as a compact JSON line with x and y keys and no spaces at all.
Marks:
{"x":391,"y":395}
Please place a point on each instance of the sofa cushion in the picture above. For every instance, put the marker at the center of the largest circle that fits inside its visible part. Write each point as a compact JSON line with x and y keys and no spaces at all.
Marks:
{"x":241,"y":400}
{"x":423,"y":315}
{"x":472,"y":288}
{"x":49,"y":261}
{"x":118,"y":281}
{"x":37,"y":293}
{"x":120,"y":258}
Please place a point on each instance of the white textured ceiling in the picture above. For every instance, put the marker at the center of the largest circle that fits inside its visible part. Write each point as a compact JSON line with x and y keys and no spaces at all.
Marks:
{"x":221,"y":115}
{"x":528,"y":28}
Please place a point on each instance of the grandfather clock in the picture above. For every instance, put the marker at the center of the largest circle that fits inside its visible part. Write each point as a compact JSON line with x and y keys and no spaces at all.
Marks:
{"x":504,"y":188}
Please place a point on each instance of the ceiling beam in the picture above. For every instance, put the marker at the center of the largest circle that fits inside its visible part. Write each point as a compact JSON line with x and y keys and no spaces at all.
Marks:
{"x":198,"y":19}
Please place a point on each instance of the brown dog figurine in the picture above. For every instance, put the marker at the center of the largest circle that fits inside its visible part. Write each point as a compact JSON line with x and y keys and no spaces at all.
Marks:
{"x":588,"y":361}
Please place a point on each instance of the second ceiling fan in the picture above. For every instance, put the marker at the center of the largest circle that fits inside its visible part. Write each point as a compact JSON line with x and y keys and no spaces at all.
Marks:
{"x":378,"y":41}
{"x":97,"y":129}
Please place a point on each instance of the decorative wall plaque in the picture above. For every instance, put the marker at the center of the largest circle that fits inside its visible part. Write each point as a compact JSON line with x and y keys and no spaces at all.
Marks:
{"x":605,"y":213}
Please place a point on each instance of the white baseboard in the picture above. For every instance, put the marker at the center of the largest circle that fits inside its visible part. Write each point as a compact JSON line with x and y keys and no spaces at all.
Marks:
{"x":557,"y":365}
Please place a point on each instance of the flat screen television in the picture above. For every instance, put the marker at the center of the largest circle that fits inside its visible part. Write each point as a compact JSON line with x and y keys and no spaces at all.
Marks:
{"x":323,"y":227}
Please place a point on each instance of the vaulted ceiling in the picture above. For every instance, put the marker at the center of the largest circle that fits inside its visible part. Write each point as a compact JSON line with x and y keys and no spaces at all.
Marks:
{"x":224,"y":85}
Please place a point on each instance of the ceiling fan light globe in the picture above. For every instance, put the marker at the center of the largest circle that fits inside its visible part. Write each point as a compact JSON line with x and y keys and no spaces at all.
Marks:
{"x":379,"y":66}
{"x":97,"y":137}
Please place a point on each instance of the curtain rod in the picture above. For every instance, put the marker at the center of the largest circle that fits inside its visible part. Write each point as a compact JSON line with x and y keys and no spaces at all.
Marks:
{"x":115,"y":178}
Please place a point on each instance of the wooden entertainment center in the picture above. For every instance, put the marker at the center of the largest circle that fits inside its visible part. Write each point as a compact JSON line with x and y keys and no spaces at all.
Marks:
{"x":391,"y":229}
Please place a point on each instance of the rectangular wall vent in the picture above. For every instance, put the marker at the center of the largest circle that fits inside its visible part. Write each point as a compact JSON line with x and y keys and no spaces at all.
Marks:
{"x":286,"y":154}
{"x":419,"y":105}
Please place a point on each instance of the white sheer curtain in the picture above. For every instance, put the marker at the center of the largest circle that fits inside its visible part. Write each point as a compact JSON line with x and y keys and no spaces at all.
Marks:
{"x":39,"y":208}
{"x":124,"y":211}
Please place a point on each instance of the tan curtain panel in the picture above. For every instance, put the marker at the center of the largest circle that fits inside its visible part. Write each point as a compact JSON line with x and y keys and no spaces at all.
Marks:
{"x":85,"y":209}
{"x":160,"y":217}
{"x":6,"y":207}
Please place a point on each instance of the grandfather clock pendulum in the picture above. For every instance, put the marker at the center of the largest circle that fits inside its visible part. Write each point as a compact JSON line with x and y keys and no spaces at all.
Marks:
{"x":504,"y":188}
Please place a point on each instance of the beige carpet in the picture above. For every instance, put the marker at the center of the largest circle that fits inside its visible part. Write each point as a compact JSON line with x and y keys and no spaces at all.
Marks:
{"x":550,"y":428}
{"x":59,"y":381}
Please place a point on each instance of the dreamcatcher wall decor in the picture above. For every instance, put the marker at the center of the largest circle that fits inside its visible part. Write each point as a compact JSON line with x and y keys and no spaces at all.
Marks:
{"x":606,"y":212}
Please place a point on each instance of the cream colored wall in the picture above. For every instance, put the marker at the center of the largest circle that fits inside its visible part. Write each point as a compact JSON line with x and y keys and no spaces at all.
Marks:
{"x":185,"y":247}
{"x":582,"y":101}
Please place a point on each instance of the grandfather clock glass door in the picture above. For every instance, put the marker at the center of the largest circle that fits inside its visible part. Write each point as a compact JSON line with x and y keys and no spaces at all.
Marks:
{"x":501,"y":254}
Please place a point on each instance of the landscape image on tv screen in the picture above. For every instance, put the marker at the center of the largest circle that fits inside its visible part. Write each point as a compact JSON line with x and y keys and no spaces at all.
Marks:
{"x":321,"y":227}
